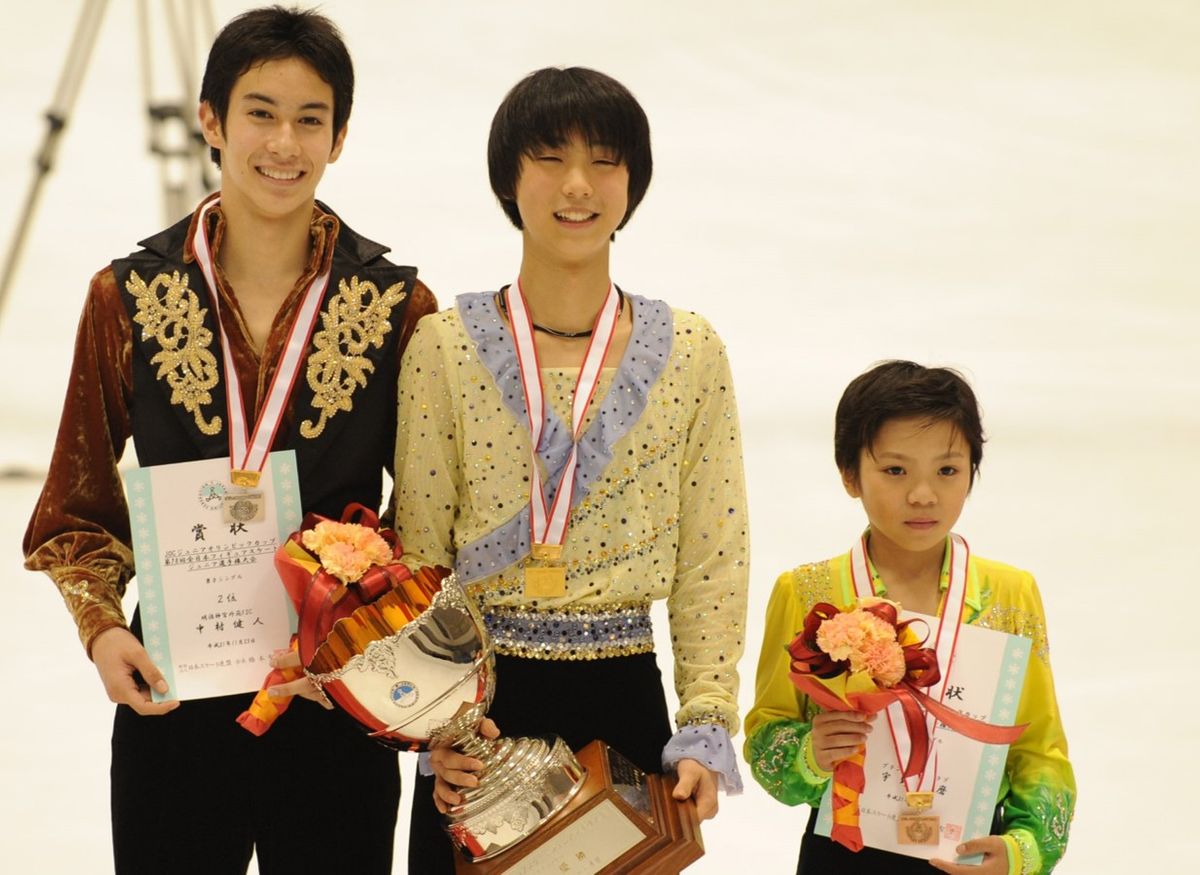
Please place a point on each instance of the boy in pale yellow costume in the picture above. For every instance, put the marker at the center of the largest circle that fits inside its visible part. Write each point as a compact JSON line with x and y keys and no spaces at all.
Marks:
{"x":634,"y":437}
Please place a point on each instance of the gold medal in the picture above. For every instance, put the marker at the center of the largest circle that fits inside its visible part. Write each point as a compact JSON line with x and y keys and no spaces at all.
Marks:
{"x":547,"y":552}
{"x":919,"y":799}
{"x":545,"y":581}
{"x":246,"y":479}
{"x":918,"y":827}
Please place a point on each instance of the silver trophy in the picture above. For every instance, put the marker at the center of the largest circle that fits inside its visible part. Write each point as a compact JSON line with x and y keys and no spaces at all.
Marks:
{"x":429,"y":681}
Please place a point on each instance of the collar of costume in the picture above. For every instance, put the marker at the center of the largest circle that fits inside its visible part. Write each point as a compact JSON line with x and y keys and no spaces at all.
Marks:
{"x":548,"y":525}
{"x":945,"y":642}
{"x":646,"y":357}
{"x":248,"y":449}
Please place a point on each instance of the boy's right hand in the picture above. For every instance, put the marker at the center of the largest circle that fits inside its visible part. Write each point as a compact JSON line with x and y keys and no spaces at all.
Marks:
{"x":452,"y":769}
{"x":118,"y":655}
{"x":837,"y":735}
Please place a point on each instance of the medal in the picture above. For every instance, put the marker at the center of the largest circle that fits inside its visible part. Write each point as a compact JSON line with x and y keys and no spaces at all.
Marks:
{"x":545,"y":581}
{"x":918,"y":829}
{"x":248,"y":451}
{"x":245,"y":479}
{"x":919,"y":825}
{"x":243,"y":507}
{"x":919,"y":799}
{"x":547,"y":552}
{"x":546,"y":575}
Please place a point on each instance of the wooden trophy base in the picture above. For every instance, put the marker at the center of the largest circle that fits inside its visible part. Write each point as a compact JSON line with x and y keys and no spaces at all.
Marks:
{"x":621,"y":820}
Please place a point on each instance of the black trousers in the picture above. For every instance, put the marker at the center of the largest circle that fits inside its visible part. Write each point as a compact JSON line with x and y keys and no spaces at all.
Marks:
{"x":618,"y":700}
{"x":193,"y":792}
{"x":820,"y":855}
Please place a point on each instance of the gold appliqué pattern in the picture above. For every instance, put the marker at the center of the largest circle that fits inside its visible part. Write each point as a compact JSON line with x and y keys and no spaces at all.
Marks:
{"x":356,"y":319}
{"x":175,"y":319}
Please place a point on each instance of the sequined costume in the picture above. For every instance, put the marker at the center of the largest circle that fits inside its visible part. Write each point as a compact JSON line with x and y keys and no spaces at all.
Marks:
{"x":1037,"y":794}
{"x":658,"y":510}
{"x":191,"y":790}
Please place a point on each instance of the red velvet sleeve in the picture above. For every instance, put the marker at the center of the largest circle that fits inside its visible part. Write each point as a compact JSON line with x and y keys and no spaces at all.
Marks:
{"x":79,"y":531}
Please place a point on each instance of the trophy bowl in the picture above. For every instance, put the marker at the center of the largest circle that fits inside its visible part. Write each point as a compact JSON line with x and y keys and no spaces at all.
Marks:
{"x":427,"y":680}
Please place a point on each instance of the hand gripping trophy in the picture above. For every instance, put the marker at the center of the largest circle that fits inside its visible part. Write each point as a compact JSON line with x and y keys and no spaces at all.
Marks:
{"x":409,"y":657}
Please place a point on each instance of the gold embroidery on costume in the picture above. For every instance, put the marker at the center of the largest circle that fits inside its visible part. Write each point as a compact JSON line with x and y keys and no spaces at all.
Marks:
{"x":356,"y":318}
{"x":176,"y":321}
{"x":93,"y":602}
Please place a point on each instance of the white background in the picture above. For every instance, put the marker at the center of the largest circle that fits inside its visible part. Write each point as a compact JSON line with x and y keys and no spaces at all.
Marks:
{"x":1006,"y":187}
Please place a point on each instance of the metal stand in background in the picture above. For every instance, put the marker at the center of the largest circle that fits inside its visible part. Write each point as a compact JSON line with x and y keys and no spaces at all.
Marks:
{"x":173,"y":135}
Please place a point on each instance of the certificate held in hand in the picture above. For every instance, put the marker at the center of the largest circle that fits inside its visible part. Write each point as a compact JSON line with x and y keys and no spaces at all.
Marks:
{"x":209,"y":596}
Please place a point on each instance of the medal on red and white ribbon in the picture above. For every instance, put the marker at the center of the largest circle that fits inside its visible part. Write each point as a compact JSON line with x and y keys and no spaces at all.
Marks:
{"x":249,"y":449}
{"x":547,"y":578}
{"x":920,"y":825}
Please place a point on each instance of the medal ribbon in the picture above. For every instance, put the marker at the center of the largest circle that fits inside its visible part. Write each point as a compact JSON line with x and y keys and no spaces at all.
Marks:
{"x":248,"y":454}
{"x":551,"y":527}
{"x":945,"y":644}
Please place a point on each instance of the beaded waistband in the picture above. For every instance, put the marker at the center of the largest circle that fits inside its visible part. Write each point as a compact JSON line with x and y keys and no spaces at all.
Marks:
{"x":571,"y":633}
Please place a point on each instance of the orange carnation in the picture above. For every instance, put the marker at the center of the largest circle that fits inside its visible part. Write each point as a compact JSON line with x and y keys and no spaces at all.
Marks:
{"x":347,"y":550}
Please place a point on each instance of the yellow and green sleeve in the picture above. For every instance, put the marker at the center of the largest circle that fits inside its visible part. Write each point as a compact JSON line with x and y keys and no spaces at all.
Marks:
{"x":777,"y":746}
{"x":1038,"y":793}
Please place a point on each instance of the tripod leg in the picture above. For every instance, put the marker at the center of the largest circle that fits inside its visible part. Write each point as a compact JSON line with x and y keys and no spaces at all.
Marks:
{"x":70,"y":80}
{"x":174,"y":133}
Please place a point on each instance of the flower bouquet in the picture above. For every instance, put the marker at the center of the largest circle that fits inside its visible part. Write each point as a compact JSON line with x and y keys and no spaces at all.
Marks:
{"x":349,"y":589}
{"x":864,"y":659}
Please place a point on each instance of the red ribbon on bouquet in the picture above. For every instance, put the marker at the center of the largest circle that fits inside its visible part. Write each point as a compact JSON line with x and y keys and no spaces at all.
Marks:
{"x":831,"y":684}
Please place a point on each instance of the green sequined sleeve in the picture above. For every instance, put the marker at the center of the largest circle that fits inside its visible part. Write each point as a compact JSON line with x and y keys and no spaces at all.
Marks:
{"x":781,"y":762}
{"x":778,"y":726}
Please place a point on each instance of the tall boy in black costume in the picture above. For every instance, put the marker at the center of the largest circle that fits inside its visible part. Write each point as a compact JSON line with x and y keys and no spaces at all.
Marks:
{"x":191,"y":790}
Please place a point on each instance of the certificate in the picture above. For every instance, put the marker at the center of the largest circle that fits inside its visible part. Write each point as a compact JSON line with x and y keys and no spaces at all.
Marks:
{"x":985,"y":682}
{"x":211,"y":603}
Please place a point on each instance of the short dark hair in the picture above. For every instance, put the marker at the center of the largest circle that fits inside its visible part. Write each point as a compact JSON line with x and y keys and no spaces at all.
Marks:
{"x":273,"y":33}
{"x":550,"y":105}
{"x":902,"y":390}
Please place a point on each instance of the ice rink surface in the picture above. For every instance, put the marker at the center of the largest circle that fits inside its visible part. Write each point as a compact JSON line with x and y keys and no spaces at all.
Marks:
{"x":1010,"y":188}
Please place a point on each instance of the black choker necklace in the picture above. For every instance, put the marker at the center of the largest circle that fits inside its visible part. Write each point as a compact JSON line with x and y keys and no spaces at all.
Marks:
{"x":554,"y":332}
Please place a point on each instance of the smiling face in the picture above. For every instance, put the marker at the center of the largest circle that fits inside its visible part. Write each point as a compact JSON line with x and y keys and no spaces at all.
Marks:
{"x":276,"y":139}
{"x":913,"y":482}
{"x":571,"y":199}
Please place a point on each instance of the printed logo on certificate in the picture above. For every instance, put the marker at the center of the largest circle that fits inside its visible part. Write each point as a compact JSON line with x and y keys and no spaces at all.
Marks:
{"x":211,"y":604}
{"x":985,"y":682}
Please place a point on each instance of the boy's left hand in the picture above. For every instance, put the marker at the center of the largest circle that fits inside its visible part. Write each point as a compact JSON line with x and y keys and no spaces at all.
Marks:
{"x":698,"y":782}
{"x":995,"y":858}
